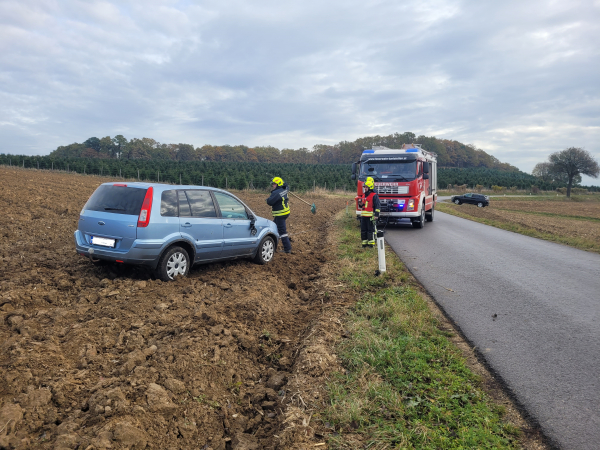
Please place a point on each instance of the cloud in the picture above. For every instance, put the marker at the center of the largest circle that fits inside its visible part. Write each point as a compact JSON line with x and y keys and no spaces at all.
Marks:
{"x":517,"y":79}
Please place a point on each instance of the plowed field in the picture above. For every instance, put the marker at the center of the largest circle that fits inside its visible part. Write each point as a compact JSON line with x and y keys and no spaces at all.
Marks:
{"x":107,"y":357}
{"x":563,"y":219}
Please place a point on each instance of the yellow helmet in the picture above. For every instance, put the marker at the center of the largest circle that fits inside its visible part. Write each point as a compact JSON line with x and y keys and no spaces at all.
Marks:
{"x":278,"y":181}
{"x":370,"y":183}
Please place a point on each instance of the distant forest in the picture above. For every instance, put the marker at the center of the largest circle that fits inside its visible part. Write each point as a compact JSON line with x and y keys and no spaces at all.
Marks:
{"x":241,"y":167}
{"x":246,"y":175}
{"x":450,"y":153}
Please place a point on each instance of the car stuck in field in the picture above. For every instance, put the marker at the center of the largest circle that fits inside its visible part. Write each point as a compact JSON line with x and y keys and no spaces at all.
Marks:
{"x":170,"y":228}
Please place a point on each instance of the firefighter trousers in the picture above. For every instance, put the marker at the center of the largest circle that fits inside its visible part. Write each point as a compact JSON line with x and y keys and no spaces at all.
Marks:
{"x":283,"y":235}
{"x":367,"y":231}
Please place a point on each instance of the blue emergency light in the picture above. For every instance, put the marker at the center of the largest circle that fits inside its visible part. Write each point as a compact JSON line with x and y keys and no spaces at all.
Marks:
{"x":368,"y":151}
{"x":412,"y":150}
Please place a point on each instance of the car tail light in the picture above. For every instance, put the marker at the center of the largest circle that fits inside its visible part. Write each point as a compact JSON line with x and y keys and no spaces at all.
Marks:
{"x":411,"y":205}
{"x":144,"y":218}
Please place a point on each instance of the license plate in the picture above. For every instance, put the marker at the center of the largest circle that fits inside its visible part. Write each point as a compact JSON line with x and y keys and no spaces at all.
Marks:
{"x":104,"y":242}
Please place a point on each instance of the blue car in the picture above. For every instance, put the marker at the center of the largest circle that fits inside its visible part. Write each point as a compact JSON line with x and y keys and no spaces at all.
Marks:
{"x":170,"y":228}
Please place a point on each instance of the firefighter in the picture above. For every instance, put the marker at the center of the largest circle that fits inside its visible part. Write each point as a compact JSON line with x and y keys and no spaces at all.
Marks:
{"x":370,"y":207}
{"x":278,"y":201}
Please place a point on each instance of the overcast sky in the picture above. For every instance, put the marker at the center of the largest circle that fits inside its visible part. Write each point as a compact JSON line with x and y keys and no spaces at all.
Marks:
{"x":519,"y":79}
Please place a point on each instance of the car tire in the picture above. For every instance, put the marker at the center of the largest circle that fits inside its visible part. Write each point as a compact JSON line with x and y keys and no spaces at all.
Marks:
{"x":421,"y":222}
{"x":480,"y":205}
{"x":457,"y":201}
{"x":175,"y":262}
{"x":265,"y":251}
{"x":429,"y":215}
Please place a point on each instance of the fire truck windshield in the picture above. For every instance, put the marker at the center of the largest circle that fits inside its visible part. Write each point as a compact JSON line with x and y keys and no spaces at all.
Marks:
{"x":389,"y":170}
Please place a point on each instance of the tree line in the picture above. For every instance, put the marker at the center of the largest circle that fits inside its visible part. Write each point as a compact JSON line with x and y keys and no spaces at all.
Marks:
{"x":234,"y":175}
{"x":450,"y":153}
{"x":244,"y":175}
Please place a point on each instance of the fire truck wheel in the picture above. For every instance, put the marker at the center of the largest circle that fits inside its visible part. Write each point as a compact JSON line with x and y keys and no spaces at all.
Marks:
{"x":421,"y":222}
{"x":429,"y":215}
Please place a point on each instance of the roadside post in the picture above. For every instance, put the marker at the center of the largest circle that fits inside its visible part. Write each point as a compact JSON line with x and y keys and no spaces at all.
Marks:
{"x":380,"y":253}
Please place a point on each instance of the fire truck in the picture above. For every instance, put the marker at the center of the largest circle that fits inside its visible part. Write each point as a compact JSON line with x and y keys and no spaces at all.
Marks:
{"x":405,"y":180}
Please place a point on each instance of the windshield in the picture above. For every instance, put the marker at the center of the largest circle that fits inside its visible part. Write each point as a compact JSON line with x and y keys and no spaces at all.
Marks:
{"x":390,"y":171}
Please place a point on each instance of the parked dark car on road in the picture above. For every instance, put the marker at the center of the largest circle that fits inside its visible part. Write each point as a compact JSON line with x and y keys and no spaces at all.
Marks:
{"x":474,"y":199}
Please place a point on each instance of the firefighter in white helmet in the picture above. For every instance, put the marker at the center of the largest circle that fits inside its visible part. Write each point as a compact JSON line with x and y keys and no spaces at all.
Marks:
{"x":370,"y":207}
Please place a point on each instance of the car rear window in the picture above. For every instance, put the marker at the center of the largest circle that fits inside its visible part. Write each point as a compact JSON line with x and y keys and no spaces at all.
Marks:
{"x":168,"y":203}
{"x":116,"y":200}
{"x":184,"y":205}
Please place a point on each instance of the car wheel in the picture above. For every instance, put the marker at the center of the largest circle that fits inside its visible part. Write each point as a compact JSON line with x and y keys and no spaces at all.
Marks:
{"x":429,"y":215}
{"x":421,"y":222}
{"x":457,"y":201}
{"x":266,"y":250}
{"x":480,"y":205}
{"x":175,"y":262}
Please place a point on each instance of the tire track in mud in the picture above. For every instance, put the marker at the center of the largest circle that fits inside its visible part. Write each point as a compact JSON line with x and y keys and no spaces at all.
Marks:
{"x":106,"y":357}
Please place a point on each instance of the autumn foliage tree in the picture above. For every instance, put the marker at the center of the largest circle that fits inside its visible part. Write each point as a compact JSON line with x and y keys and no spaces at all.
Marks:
{"x":450,"y":153}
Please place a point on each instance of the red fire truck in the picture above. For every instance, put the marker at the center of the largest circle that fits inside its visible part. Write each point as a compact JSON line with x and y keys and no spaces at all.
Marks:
{"x":405,"y":180}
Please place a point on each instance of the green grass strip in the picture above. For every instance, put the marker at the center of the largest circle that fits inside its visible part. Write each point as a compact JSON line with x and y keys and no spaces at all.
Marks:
{"x":406,"y":385}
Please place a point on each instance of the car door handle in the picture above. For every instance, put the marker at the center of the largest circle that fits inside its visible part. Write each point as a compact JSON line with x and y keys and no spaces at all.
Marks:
{"x":186,"y":225}
{"x":227,"y":225}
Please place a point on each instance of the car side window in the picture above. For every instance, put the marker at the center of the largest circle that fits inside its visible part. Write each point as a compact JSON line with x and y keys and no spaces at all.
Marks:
{"x":468,"y":195}
{"x":168,"y":203}
{"x":230,"y":207}
{"x":201,"y":203}
{"x":184,"y":206}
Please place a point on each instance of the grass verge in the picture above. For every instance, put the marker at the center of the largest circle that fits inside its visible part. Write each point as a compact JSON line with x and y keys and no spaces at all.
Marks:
{"x":406,"y":385}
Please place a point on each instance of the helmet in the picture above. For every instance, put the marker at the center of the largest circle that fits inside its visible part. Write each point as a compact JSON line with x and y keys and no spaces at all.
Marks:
{"x":370,"y":183}
{"x":278,"y":181}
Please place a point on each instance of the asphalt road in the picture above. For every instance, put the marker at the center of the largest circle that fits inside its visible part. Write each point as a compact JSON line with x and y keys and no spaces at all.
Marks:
{"x":531,"y":307}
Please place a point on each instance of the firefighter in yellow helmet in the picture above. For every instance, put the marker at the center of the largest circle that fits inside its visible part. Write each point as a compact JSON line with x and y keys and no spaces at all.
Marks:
{"x":279,"y":203}
{"x":370,"y":207}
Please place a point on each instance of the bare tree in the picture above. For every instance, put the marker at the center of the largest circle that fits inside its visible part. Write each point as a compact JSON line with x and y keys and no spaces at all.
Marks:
{"x":573,"y":162}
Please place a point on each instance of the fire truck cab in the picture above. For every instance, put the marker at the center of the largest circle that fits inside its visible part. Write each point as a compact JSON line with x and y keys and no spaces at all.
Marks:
{"x":405,"y":180}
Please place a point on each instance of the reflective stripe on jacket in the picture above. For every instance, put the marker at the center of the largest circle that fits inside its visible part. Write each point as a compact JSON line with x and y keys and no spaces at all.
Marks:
{"x":278,"y":201}
{"x":370,"y":205}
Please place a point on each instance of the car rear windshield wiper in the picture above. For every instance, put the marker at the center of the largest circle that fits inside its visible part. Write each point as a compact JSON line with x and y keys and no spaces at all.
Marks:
{"x":114,"y":209}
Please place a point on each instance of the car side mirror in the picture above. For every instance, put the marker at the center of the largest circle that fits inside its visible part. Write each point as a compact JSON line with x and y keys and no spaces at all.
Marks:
{"x":353,"y":176}
{"x":253,"y":229}
{"x":426,"y":167}
{"x":426,"y":176}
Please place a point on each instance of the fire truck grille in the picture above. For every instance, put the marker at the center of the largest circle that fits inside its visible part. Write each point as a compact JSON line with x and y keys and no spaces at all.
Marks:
{"x":391,"y":189}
